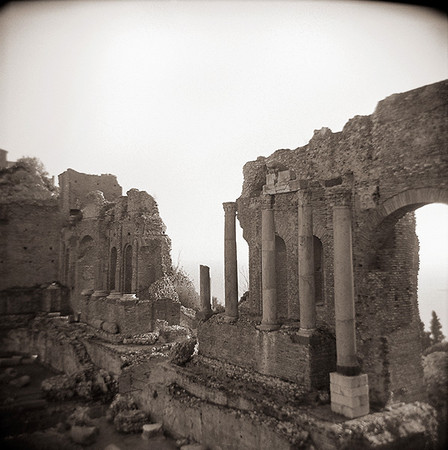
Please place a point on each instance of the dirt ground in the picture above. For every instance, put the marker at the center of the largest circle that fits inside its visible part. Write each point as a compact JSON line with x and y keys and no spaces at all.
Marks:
{"x":28,"y":421}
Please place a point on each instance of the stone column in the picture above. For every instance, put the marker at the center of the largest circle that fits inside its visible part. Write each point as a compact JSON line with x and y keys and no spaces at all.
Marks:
{"x":349,"y":389}
{"x":204,"y":276}
{"x":269,"y":320}
{"x":306,"y":265}
{"x":230,"y":262}
{"x":344,"y":302}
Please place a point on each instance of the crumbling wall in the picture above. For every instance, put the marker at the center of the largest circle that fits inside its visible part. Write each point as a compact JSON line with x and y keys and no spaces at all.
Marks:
{"x":29,"y":249}
{"x":75,"y":186}
{"x":383,"y":166}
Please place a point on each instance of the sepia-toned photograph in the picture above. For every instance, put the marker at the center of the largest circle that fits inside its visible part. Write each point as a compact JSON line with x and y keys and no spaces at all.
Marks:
{"x":223,"y":225}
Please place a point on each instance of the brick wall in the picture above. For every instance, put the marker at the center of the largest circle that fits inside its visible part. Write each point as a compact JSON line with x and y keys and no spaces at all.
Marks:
{"x":29,"y":250}
{"x":386,"y":165}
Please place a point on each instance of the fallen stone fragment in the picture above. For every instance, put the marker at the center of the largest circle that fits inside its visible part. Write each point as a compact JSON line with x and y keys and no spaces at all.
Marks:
{"x":130,"y":421}
{"x":112,"y":447}
{"x":22,"y":381}
{"x":84,"y":435}
{"x":11,"y":372}
{"x":80,"y":417}
{"x":151,"y":429}
{"x":193,"y":447}
{"x":59,"y":387}
{"x":110,"y":327}
{"x":182,"y":352}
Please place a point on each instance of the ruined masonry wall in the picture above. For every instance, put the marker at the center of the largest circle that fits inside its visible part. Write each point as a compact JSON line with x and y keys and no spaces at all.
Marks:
{"x":29,"y":243}
{"x":75,"y":186}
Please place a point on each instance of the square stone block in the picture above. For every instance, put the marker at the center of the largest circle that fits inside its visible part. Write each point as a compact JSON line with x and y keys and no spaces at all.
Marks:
{"x":349,"y":395}
{"x":351,"y":413}
{"x":349,"y":392}
{"x":351,"y":402}
{"x":349,"y":382}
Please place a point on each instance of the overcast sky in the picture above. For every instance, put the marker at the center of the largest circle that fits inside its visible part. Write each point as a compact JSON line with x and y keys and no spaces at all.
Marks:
{"x":174,"y":97}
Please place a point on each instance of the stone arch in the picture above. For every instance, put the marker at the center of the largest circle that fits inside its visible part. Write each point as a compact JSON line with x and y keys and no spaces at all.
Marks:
{"x":127,"y":269}
{"x":386,"y":216}
{"x":409,"y":200}
{"x":112,"y":269}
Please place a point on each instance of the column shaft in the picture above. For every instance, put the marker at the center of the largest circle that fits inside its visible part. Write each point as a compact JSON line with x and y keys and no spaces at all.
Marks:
{"x":268,"y":274}
{"x":344,"y":292}
{"x":204,"y":276}
{"x":306,"y":268}
{"x":230,"y":261}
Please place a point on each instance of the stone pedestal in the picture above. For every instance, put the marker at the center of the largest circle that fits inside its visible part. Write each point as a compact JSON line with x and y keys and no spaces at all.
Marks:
{"x":100,"y":293}
{"x":349,"y":395}
{"x":269,"y":286}
{"x":204,"y":276}
{"x":230,"y":262}
{"x":306,"y":266}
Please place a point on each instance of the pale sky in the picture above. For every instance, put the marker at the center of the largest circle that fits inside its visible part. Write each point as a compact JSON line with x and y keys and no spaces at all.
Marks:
{"x":174,"y":97}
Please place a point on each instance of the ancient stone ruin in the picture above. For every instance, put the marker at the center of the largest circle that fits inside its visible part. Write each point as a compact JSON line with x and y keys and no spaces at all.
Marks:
{"x":325,"y":349}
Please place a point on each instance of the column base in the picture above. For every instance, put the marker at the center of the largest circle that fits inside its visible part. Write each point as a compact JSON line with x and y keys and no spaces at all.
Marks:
{"x":230,"y":319}
{"x":268,"y":326}
{"x":204,"y":315}
{"x":349,"y":395}
{"x":129,"y":297}
{"x":100,"y":293}
{"x":115,"y":295}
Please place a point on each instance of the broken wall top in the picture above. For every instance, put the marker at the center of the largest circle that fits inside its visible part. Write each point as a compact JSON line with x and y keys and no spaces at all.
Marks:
{"x":407,"y":133}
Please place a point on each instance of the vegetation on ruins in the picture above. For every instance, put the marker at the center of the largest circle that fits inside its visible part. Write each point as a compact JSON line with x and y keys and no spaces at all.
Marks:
{"x":436,"y":329}
{"x":27,"y":179}
{"x":184,"y":287}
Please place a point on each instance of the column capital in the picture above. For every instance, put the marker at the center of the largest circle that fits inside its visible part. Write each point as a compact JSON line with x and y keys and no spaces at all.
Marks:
{"x":230,"y":208}
{"x":266,"y":201}
{"x":341,"y":198}
{"x":304,"y":197}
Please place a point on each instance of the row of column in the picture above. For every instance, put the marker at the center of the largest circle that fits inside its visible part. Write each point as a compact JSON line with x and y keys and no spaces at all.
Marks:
{"x":343,"y":275}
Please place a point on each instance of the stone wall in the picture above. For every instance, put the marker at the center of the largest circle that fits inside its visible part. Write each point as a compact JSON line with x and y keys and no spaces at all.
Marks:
{"x":75,"y":186}
{"x":383,"y":166}
{"x":283,"y":354}
{"x":29,"y":242}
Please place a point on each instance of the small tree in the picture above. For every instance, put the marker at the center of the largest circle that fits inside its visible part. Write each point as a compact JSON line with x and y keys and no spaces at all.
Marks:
{"x":36,"y":168}
{"x":436,"y":329}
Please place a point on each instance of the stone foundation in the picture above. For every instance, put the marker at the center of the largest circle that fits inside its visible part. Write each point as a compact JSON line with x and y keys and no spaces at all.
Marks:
{"x":349,"y":395}
{"x":284,"y":353}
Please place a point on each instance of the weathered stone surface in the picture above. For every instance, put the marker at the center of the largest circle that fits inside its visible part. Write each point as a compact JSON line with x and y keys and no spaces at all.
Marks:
{"x":193,"y":447}
{"x":110,"y":327}
{"x":80,"y":417}
{"x":182,"y":352}
{"x":151,"y":429}
{"x":59,"y":387}
{"x":22,"y":381}
{"x":84,"y":435}
{"x":130,"y":421}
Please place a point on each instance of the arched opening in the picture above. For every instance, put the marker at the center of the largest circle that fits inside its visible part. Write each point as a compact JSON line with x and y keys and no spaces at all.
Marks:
{"x":127,"y":270}
{"x":392,"y":354}
{"x":318,"y":270}
{"x":281,"y":273}
{"x":86,"y":264}
{"x":431,"y":228}
{"x":112,"y":268}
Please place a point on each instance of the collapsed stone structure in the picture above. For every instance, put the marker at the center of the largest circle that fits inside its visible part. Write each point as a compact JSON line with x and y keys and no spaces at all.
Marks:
{"x":333,"y":256}
{"x":107,"y":256}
